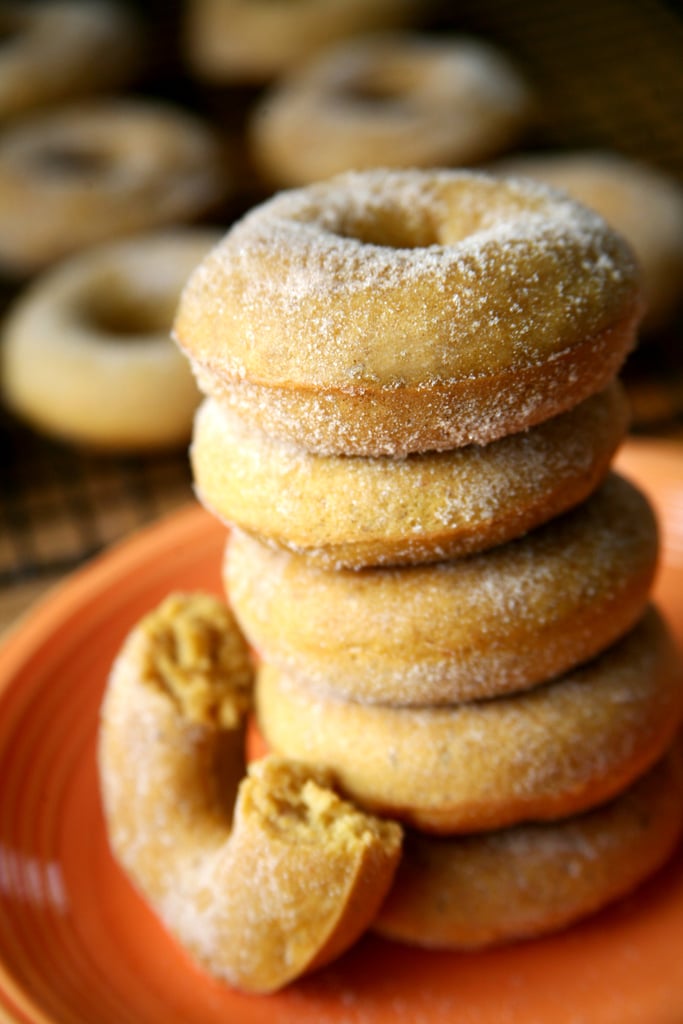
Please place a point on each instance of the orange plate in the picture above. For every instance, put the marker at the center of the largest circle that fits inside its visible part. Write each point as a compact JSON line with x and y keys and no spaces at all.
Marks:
{"x":78,"y":946}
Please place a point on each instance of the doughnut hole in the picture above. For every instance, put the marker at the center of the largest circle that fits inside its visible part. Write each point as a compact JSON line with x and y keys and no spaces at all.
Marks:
{"x":462,"y":212}
{"x":393,"y":82}
{"x":125,"y":309}
{"x":69,"y":161}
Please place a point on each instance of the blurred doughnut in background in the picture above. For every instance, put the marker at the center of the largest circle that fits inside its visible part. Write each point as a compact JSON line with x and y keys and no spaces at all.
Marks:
{"x":56,"y":50}
{"x":86,"y":350}
{"x":391,"y":100}
{"x":644,"y":204}
{"x":247,"y":41}
{"x":99,"y":170}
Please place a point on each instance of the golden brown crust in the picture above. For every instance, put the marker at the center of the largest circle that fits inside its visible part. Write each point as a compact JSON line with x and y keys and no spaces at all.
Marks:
{"x":86,"y":354}
{"x":262,"y":878}
{"x":388,"y":100}
{"x":470,"y":892}
{"x":351,"y":512}
{"x":430,"y":310}
{"x":491,"y":624}
{"x":100,"y":170}
{"x":543,"y":754}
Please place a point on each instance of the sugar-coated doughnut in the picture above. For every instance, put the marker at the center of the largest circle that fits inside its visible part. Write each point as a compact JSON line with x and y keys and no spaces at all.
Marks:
{"x":99,"y":170}
{"x":549,"y":752}
{"x":242,"y":41}
{"x":55,"y":50}
{"x":394,"y":100}
{"x":470,"y":892}
{"x":86,"y":351}
{"x":258,"y":890}
{"x":467,"y":629}
{"x":639,"y":200}
{"x":395,"y":311}
{"x":354,"y":511}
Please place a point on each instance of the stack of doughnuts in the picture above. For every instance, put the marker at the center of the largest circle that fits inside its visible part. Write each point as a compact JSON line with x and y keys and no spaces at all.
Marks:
{"x":411,"y":409}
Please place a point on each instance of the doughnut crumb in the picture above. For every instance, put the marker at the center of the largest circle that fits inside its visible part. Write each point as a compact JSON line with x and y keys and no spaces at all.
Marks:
{"x":196,"y":655}
{"x":298,"y":802}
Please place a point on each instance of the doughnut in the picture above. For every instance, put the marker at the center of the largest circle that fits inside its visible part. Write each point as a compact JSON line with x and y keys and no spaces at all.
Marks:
{"x":471,"y":892}
{"x":229,"y":41}
{"x":99,"y":170}
{"x":260,"y":877}
{"x":86,"y":352}
{"x":388,"y":312}
{"x":389,"y":100}
{"x":354,"y":511}
{"x":468,"y":629}
{"x":640,"y":201}
{"x":56,"y":50}
{"x":547,"y":753}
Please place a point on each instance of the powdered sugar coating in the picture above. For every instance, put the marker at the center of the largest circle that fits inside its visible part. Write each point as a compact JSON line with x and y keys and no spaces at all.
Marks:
{"x":639,"y":200}
{"x":351,"y":512}
{"x":471,"y":306}
{"x":470,"y":892}
{"x":494,"y":623}
{"x":552,"y":751}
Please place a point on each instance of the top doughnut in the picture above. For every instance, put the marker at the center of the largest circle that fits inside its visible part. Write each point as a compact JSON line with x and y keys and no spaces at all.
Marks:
{"x":386,"y":312}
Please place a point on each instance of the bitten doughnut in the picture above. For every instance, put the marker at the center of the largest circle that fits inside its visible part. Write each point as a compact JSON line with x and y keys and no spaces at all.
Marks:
{"x":99,"y":170}
{"x":395,"y":100}
{"x":242,"y":41}
{"x":259,"y":894}
{"x":351,"y":511}
{"x":467,"y":629}
{"x":643,"y":203}
{"x":56,"y":50}
{"x":549,"y":752}
{"x":470,"y":892}
{"x":86,"y":349}
{"x":398,"y":311}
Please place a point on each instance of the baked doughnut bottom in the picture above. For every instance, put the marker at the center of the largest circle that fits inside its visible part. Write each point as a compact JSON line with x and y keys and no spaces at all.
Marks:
{"x":556,"y":750}
{"x":472,"y":892}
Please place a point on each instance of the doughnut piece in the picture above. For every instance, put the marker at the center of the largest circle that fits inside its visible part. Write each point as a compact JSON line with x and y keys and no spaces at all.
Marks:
{"x":259,"y":894}
{"x":56,"y":50}
{"x":471,"y":892}
{"x":484,"y":626}
{"x":550,"y":752}
{"x":641,"y":202}
{"x":387,"y":312}
{"x":99,"y":170}
{"x":86,"y":349}
{"x":394,"y":100}
{"x":350,"y":511}
{"x":242,"y":41}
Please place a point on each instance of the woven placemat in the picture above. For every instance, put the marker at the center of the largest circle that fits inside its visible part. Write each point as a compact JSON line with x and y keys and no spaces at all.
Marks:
{"x":609,"y":73}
